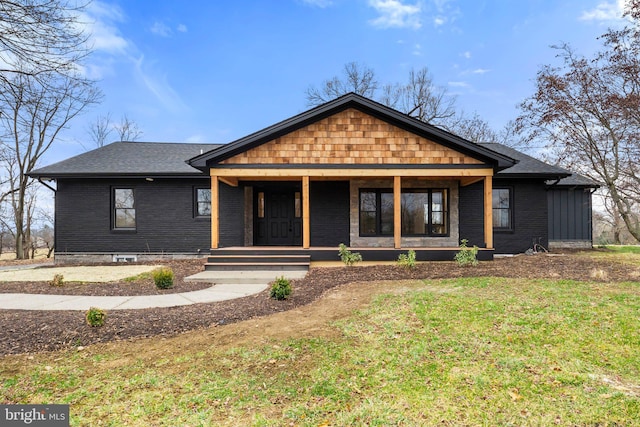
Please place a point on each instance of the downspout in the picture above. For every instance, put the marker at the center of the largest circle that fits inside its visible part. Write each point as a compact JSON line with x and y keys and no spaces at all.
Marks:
{"x":55,"y":225}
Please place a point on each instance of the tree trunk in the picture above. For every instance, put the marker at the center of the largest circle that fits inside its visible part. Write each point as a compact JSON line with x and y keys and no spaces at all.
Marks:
{"x":624,"y":209}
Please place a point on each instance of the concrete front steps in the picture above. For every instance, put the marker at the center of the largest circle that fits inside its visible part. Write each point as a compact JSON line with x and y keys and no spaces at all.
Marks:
{"x":230,"y":266}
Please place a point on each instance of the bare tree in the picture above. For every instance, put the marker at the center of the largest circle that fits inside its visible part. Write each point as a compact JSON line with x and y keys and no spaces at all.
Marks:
{"x":355,"y":77}
{"x":419,"y":97}
{"x":33,"y":116}
{"x":100,"y":129}
{"x":587,"y":110}
{"x":127,"y":129}
{"x":473,"y":128}
{"x":40,"y":37}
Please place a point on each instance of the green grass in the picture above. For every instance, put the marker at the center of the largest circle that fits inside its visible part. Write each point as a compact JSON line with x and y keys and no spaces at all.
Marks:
{"x":139,"y":277}
{"x":473,"y":351}
{"x":623,"y":249}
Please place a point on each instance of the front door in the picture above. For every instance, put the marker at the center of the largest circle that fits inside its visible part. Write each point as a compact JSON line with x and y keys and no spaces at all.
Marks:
{"x":278,"y":218}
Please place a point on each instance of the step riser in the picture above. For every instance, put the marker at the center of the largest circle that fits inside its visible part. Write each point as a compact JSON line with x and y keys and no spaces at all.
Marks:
{"x":258,"y":259}
{"x":256,"y":267}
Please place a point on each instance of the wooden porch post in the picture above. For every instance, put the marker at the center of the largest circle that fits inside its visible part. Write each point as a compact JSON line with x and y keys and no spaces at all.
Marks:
{"x":488,"y":211}
{"x":397,"y":224}
{"x":306,"y":214}
{"x":215,"y":213}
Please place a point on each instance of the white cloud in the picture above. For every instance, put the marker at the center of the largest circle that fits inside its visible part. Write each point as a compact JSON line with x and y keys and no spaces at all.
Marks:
{"x":101,"y":21}
{"x":159,"y":86}
{"x":605,"y":11}
{"x":480,"y":71}
{"x":318,"y":3}
{"x":459,"y":84}
{"x":163,"y":30}
{"x":160,"y":29}
{"x":438,"y":21}
{"x":395,"y":14}
{"x":417,"y":49}
{"x":466,"y":55}
{"x":196,"y":139}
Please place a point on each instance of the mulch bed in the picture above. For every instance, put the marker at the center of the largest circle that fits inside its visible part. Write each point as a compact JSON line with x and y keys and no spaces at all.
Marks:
{"x":34,"y":331}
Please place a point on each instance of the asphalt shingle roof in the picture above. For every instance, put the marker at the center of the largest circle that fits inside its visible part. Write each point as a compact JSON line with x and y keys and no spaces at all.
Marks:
{"x":129,"y":158}
{"x":526,"y":165}
{"x":576,"y":180}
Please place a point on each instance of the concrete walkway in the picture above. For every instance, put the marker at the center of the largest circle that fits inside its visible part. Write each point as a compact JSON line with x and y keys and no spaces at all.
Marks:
{"x":226,"y":285}
{"x":215,"y":293}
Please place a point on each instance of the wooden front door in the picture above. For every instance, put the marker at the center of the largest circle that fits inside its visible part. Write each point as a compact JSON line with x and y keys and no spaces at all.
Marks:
{"x":278,"y":218}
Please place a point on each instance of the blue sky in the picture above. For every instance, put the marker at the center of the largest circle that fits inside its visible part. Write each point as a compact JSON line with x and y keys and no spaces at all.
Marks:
{"x":214,"y":71}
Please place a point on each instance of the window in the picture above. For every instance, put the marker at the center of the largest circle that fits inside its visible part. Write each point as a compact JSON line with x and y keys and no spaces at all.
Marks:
{"x":424,"y":212}
{"x":298,"y":205}
{"x":124,"y":211}
{"x":203,"y":202}
{"x":502,"y":209}
{"x":376,"y":212}
{"x":261,"y":204}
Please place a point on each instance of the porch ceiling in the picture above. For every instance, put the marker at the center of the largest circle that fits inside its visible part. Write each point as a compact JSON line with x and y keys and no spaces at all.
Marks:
{"x":347,"y":172}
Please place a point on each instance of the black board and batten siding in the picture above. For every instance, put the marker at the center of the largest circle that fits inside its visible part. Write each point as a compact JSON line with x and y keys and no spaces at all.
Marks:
{"x":570,"y":214}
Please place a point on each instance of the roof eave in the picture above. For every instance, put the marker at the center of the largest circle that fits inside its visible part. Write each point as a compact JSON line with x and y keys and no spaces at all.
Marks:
{"x":120,"y":175}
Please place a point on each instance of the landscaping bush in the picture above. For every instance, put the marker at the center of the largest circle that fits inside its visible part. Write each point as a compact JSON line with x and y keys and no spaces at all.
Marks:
{"x":58,"y":280}
{"x":163,"y":278}
{"x":95,"y":317}
{"x":467,"y":256}
{"x":407,"y":260}
{"x":281,"y":288}
{"x":347,"y":257}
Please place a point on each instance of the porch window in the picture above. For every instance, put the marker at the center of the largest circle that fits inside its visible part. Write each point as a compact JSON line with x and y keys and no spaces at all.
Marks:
{"x":502,"y":204}
{"x":202,"y":202}
{"x":376,"y":212}
{"x":424,"y":212}
{"x":124,"y":211}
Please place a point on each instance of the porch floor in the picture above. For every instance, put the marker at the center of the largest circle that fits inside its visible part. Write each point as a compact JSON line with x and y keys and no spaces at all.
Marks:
{"x":318,"y":253}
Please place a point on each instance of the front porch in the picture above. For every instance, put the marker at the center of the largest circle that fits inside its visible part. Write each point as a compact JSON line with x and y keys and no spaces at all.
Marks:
{"x":297,"y":258}
{"x":355,"y":172}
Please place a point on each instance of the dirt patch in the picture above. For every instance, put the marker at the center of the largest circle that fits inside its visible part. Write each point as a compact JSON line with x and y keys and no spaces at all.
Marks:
{"x":93,"y":274}
{"x":31,"y":331}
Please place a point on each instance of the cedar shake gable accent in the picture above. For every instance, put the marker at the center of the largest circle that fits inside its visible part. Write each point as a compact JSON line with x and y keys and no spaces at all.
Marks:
{"x":350,"y":137}
{"x":453,"y":148}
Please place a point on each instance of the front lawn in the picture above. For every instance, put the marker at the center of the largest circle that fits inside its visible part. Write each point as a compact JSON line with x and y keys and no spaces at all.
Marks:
{"x":466,"y":351}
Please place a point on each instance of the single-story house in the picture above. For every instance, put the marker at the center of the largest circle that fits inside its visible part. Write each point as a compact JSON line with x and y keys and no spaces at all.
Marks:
{"x":350,"y":171}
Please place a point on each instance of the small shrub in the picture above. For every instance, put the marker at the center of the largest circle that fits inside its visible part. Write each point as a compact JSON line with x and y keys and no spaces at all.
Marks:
{"x":58,"y":280}
{"x":407,"y":260}
{"x":281,"y":289}
{"x":95,"y":317}
{"x":347,"y":256}
{"x":163,"y":278}
{"x":466,"y":256}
